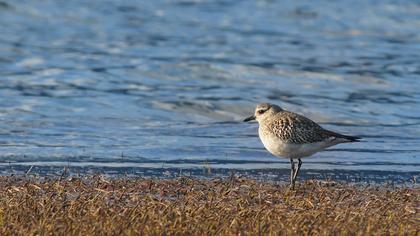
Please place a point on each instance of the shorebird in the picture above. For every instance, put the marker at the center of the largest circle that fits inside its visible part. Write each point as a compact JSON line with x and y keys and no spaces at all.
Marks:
{"x":293,"y":136}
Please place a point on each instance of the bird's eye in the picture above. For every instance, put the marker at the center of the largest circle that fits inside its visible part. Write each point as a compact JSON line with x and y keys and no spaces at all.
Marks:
{"x":260,"y":111}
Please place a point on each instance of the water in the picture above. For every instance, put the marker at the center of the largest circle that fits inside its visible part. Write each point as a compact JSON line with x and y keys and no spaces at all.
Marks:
{"x":124,"y":86}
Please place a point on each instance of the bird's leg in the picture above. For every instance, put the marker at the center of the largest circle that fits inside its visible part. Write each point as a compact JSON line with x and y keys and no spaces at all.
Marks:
{"x":297,"y":171}
{"x":292,"y":173}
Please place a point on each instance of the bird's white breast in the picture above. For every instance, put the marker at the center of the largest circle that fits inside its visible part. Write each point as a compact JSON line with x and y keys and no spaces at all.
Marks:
{"x":279,"y":148}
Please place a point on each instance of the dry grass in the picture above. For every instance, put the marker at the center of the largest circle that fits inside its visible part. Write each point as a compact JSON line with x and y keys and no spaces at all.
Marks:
{"x":97,"y":206}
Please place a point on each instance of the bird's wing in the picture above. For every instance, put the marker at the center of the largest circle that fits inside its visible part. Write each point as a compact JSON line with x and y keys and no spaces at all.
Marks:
{"x":294,"y":128}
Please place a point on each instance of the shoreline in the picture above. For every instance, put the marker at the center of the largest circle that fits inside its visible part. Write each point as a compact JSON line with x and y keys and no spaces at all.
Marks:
{"x":368,"y":177}
{"x":107,"y":206}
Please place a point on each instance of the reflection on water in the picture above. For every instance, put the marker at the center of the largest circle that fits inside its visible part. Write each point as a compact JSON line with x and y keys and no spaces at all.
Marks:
{"x":123,"y":84}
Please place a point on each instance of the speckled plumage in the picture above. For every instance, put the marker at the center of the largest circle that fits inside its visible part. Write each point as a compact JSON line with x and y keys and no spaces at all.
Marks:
{"x":294,"y":128}
{"x":290,"y":135}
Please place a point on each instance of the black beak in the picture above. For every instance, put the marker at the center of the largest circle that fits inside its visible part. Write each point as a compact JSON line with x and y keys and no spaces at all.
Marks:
{"x":249,"y":118}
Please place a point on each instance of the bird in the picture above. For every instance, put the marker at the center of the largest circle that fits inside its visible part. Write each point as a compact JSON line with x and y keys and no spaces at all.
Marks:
{"x":289,"y":135}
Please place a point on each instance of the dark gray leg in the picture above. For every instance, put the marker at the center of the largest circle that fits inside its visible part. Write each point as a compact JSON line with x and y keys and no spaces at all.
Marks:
{"x":292,"y":173}
{"x":297,"y":171}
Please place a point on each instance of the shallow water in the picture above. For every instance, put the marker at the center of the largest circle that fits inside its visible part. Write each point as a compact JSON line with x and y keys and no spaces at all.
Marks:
{"x":108,"y":85}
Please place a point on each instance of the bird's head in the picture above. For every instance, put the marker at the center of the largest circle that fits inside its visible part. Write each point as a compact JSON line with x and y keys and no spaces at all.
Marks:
{"x":264,"y":110}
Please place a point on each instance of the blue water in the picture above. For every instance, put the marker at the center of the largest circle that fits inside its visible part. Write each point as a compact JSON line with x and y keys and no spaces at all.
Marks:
{"x":163,"y":85}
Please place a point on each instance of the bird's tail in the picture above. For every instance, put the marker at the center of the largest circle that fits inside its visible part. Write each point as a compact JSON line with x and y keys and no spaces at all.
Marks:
{"x":352,"y":138}
{"x":346,"y":137}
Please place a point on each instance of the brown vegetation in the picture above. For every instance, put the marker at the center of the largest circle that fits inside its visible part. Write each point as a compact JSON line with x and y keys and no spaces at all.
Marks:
{"x":99,"y":206}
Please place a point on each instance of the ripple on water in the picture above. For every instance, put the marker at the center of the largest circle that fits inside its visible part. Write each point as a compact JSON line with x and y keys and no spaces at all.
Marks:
{"x":122,"y":85}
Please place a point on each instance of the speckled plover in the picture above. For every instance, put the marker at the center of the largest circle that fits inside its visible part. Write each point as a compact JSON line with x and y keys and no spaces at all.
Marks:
{"x":290,"y":135}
